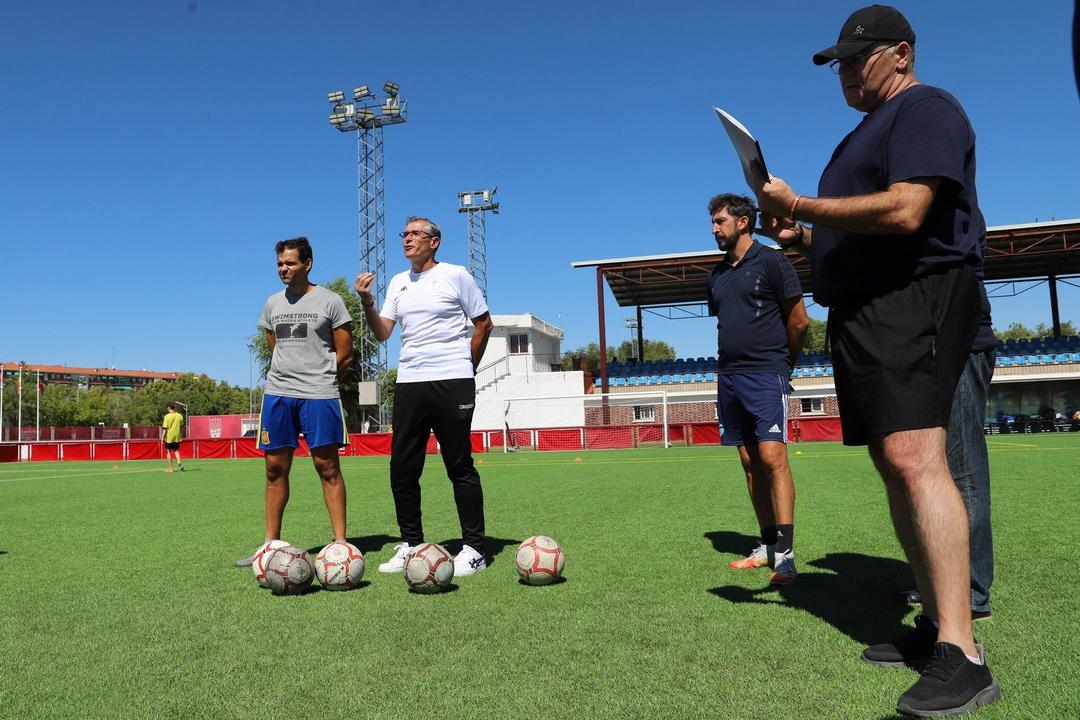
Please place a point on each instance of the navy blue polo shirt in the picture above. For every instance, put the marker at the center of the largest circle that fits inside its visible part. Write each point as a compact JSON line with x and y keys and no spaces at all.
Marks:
{"x":922,"y":132}
{"x":746,"y":299}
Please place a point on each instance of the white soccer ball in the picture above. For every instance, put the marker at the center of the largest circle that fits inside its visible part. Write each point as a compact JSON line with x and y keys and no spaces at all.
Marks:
{"x":289,"y":570}
{"x":339,"y":566}
{"x":540,"y":560}
{"x":261,"y":555}
{"x":429,"y":568}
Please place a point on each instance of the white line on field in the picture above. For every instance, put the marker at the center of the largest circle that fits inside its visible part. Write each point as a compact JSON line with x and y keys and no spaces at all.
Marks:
{"x":74,"y":475}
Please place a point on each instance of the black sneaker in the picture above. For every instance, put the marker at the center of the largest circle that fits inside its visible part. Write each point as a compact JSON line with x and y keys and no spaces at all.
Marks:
{"x":913,"y":649}
{"x":950,"y":685}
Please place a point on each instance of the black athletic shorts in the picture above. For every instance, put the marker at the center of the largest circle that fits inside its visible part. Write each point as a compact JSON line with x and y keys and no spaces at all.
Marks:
{"x":899,"y":356}
{"x":172,"y":446}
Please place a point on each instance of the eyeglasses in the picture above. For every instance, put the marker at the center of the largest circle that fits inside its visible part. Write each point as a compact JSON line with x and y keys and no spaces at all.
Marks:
{"x":418,"y":233}
{"x":857,"y":61}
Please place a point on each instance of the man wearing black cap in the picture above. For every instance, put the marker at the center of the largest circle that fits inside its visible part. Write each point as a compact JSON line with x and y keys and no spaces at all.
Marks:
{"x":896,"y":241}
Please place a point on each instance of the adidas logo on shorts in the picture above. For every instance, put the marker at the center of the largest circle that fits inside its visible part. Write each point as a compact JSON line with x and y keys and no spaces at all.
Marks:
{"x":774,"y":428}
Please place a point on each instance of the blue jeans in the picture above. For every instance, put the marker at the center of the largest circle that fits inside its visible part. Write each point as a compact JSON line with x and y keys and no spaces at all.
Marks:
{"x":970,"y":468}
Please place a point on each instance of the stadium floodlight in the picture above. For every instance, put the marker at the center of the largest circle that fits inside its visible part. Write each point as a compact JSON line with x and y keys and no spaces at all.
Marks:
{"x":476,"y":204}
{"x":366,"y":115}
{"x":391,"y":108}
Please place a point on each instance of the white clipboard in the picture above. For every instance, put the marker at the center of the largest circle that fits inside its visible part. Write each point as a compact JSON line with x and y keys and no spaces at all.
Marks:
{"x":747,"y":148}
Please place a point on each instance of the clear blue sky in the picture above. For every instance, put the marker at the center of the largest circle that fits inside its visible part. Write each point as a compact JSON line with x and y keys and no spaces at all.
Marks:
{"x":154,"y":151}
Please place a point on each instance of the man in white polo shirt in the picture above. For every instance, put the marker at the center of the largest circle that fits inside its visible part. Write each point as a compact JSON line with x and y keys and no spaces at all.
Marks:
{"x":435,"y":390}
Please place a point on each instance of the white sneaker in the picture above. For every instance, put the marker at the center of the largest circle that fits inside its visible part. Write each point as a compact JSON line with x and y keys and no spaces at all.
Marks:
{"x":468,"y":562}
{"x":784,"y":571}
{"x":396,"y":564}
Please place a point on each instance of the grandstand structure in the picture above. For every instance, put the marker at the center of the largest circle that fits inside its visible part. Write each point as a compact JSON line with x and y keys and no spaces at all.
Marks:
{"x":1035,"y":378}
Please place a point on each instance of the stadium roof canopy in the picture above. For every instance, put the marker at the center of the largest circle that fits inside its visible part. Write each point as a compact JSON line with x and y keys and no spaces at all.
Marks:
{"x":1013,"y":252}
{"x":675,"y":283}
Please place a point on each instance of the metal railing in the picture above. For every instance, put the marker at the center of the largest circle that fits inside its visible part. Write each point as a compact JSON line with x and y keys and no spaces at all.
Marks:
{"x":524,"y":364}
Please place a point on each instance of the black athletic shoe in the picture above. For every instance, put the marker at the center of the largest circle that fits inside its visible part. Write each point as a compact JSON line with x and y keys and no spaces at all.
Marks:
{"x":913,"y":649}
{"x":950,"y":685}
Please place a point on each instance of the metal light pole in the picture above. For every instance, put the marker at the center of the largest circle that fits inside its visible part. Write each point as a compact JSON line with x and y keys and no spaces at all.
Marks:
{"x":475,"y":204}
{"x":366,"y":115}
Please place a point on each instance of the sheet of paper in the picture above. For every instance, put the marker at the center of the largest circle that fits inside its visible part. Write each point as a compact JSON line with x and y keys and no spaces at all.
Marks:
{"x":747,"y":148}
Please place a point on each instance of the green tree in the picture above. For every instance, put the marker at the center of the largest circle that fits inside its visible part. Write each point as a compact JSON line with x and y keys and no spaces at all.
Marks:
{"x":1044,"y":330}
{"x":654,"y":350}
{"x":815,"y":336}
{"x":1015,"y":331}
{"x":591,"y":353}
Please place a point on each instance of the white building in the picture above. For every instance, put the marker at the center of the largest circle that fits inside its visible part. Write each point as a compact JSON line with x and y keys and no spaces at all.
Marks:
{"x":524,"y":359}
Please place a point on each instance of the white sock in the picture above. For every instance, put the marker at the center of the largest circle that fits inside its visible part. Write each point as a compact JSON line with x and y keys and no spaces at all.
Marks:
{"x":974,"y":660}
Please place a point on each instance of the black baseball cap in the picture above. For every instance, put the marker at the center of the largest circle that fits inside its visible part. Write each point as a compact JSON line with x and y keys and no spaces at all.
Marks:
{"x":865,"y":27}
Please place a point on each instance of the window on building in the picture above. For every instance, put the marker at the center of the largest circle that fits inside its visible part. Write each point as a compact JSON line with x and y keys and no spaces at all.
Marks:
{"x":644,"y":413}
{"x":519,"y":344}
{"x":812,"y":406}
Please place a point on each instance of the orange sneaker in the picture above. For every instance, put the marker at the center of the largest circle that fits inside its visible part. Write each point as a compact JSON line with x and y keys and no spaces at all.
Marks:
{"x":758,"y":558}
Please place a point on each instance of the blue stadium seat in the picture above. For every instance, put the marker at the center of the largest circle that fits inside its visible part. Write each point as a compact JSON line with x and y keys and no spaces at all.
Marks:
{"x":828,"y":370}
{"x":620,"y":382}
{"x":1004,"y":361}
{"x":665,"y":379}
{"x":710,"y":376}
{"x":819,"y":371}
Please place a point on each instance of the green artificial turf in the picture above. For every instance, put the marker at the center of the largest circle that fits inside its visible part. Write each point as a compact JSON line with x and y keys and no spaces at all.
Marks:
{"x":119,"y":599}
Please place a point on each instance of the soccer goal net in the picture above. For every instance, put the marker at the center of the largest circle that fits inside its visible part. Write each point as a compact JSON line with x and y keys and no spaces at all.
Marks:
{"x":608,"y":421}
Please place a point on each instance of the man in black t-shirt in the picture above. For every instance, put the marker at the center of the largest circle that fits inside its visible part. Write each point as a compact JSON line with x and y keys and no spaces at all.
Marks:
{"x":761,"y":323}
{"x":895,"y":247}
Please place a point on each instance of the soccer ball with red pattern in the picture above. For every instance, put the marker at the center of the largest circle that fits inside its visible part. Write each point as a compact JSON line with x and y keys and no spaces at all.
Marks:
{"x":339,"y":566}
{"x":429,"y":568}
{"x":258,"y":561}
{"x":540,"y":560}
{"x":289,"y":571}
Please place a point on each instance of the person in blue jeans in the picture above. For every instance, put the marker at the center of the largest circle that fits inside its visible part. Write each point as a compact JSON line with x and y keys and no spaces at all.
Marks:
{"x":968,"y":462}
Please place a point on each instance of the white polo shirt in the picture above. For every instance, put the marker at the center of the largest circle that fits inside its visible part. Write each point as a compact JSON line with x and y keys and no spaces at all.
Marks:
{"x":433,"y":309}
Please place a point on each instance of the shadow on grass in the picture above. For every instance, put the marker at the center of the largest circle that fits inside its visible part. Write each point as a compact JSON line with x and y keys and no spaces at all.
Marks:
{"x":726,"y":541}
{"x":853,"y":595}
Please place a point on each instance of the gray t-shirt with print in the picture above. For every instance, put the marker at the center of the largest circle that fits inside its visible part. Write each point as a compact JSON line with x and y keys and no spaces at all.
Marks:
{"x":304,"y":363}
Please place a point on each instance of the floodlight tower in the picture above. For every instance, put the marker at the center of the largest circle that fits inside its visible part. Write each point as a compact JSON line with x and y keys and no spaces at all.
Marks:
{"x":475,"y":204}
{"x":367,"y":114}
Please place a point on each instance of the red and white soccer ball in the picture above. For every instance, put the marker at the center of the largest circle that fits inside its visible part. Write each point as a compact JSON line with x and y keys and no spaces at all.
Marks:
{"x":261,"y":555}
{"x":540,"y":560}
{"x":339,"y":566}
{"x":289,"y":570}
{"x":429,"y":568}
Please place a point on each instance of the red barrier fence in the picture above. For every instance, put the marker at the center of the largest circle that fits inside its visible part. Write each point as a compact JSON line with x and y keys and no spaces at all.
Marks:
{"x":594,"y":438}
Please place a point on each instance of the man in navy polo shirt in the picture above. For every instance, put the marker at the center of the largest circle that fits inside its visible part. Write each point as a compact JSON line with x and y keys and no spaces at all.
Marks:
{"x":895,"y":246}
{"x":761,"y":324}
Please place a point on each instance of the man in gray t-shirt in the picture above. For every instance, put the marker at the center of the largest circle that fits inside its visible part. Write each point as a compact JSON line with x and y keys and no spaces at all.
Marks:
{"x":309,"y":331}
